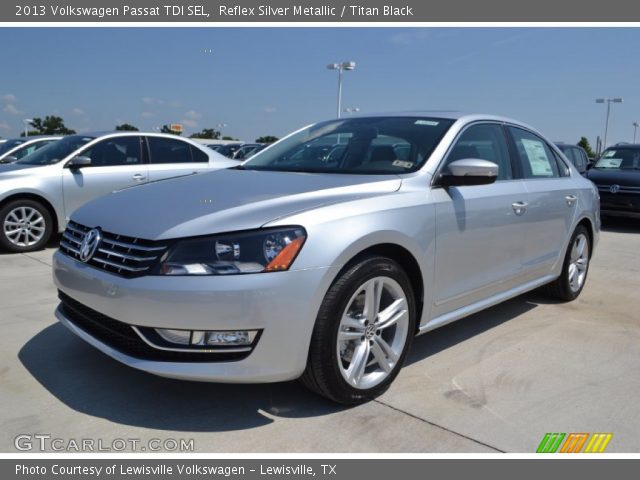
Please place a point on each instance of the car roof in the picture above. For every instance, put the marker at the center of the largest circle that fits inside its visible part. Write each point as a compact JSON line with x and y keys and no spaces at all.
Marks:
{"x":35,"y":137}
{"x":447,"y":114}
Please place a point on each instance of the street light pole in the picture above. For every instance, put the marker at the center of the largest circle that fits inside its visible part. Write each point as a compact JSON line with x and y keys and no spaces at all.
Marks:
{"x":340,"y":67}
{"x":635,"y":128}
{"x":606,"y":125}
{"x":26,"y":121}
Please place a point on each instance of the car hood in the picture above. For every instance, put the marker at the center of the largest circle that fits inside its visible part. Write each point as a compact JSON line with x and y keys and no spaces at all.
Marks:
{"x":610,"y":177}
{"x":224,"y":201}
{"x":10,"y":169}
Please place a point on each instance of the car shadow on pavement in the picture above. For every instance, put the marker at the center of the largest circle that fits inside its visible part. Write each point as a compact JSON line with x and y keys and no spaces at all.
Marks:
{"x":454,"y":333}
{"x":621,"y":224}
{"x":90,"y":382}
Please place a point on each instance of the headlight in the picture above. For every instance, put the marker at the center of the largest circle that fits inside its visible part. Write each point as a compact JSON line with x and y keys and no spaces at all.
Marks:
{"x":269,"y":250}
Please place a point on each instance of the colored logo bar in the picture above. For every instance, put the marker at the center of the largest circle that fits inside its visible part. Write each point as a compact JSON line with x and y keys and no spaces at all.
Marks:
{"x":574,"y":442}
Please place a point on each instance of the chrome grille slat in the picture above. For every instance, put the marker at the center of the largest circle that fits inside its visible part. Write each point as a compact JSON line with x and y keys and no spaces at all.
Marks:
{"x":132,"y":246}
{"x":117,"y":254}
{"x":69,"y":247}
{"x":71,"y":238}
{"x":126,"y":256}
{"x":119,"y":265}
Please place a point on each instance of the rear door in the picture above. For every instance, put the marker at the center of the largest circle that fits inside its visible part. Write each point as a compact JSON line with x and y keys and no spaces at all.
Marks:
{"x":552,"y":201}
{"x":116,"y":163}
{"x":169,"y":157}
{"x":479,"y":229}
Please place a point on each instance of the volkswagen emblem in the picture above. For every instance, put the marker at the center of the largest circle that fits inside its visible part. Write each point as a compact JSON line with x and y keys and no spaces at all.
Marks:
{"x":614,"y":188}
{"x":90,"y":244}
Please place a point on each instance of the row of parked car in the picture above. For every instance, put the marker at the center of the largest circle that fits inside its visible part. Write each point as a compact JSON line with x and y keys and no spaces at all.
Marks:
{"x":238,"y":151}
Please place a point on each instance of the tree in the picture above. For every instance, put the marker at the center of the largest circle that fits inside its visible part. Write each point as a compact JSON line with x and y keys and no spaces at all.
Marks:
{"x":127,"y":127}
{"x":266,"y":139}
{"x":584,"y":143}
{"x":51,"y":125}
{"x":227,"y":137}
{"x":210,"y":133}
{"x":166,"y":129}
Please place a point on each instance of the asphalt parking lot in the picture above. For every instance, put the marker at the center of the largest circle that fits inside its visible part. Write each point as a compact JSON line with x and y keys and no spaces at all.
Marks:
{"x":496,"y":381}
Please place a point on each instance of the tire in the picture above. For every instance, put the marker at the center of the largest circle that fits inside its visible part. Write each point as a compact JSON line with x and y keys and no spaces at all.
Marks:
{"x":569,"y":284}
{"x":346,"y":332}
{"x":25,"y":226}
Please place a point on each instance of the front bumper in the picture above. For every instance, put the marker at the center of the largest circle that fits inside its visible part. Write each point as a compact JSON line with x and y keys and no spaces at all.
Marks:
{"x":282,"y":305}
{"x":620,"y":204}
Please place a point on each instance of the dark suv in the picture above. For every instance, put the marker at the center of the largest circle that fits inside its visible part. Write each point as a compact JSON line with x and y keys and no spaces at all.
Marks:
{"x":576,"y":155}
{"x":617,"y":176}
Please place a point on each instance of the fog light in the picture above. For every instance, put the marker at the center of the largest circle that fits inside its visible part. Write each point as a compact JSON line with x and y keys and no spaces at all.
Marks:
{"x":219,"y":338}
{"x":224,"y":337}
{"x":181,"y":337}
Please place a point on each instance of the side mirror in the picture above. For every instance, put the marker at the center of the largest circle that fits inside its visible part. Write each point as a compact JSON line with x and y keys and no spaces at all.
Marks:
{"x":590,"y":165}
{"x":79,"y":162}
{"x":469,"y":171}
{"x":9,"y":159}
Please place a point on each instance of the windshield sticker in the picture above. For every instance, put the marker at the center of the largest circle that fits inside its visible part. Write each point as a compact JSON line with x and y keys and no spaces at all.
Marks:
{"x":540,"y":164}
{"x":610,"y":163}
{"x":402,"y":163}
{"x":430,"y":123}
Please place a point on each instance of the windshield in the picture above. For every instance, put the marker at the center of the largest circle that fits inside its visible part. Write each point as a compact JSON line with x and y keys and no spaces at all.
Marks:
{"x":55,"y":151}
{"x":376,"y":145}
{"x":620,"y":159}
{"x":9,"y":144}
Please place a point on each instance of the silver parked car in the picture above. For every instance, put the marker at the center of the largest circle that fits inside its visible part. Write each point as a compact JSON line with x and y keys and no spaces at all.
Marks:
{"x":324,"y":267}
{"x":39,"y":192}
{"x":14,"y":149}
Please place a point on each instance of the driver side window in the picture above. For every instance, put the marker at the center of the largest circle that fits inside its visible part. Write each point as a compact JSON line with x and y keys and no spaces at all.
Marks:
{"x":115,"y":151}
{"x":486,"y":142}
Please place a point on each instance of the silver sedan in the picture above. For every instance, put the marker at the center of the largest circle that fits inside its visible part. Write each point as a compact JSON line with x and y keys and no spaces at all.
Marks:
{"x":303,"y":263}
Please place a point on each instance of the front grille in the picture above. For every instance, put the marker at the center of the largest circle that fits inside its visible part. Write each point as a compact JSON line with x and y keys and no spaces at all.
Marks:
{"x":121,"y":336}
{"x":623,"y":189}
{"x":119,"y":254}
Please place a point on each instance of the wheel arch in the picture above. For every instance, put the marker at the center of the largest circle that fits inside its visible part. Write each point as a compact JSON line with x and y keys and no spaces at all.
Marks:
{"x":405,"y":259}
{"x":36,"y":198}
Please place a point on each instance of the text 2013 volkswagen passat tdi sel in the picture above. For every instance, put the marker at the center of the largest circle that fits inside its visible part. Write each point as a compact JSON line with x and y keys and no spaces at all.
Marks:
{"x":325,"y":254}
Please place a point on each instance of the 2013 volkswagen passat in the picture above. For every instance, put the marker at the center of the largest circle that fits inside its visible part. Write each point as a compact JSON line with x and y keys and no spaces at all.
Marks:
{"x":308,"y":263}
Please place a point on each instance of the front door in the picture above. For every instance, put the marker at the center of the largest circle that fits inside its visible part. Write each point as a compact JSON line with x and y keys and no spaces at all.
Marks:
{"x":115,"y":163}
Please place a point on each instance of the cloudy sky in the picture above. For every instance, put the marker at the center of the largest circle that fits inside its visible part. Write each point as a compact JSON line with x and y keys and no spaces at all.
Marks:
{"x":261,"y":81}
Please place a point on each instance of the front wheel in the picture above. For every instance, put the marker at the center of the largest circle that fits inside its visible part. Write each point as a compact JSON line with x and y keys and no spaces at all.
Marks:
{"x":362,"y":333}
{"x":25,"y":225}
{"x":571,"y":281}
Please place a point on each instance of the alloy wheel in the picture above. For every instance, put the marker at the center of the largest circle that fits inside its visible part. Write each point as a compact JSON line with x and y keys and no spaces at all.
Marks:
{"x":24,"y":226}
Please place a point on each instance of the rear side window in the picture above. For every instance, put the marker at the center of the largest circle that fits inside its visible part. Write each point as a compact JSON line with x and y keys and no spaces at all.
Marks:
{"x":198,"y":155}
{"x":486,"y":142}
{"x":23,"y":152}
{"x":536,"y":157}
{"x":168,"y":150}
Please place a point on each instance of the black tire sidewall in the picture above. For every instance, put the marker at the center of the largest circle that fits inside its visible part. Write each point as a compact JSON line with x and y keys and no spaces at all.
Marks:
{"x":331,"y":311}
{"x":6,"y":244}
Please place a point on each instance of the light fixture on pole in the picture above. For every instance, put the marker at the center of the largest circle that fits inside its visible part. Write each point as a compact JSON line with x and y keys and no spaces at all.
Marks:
{"x":340,"y":67}
{"x":635,"y":128}
{"x":26,"y":122}
{"x":351,"y":110}
{"x":608,"y":101}
{"x":220,"y":126}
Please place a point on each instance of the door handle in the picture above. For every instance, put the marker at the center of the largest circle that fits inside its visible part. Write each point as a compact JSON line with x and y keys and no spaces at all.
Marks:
{"x":138,"y":177}
{"x":571,"y":200}
{"x":519,"y":207}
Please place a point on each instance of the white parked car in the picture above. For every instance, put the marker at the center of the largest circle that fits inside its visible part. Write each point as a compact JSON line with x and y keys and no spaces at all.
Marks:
{"x":38,"y":193}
